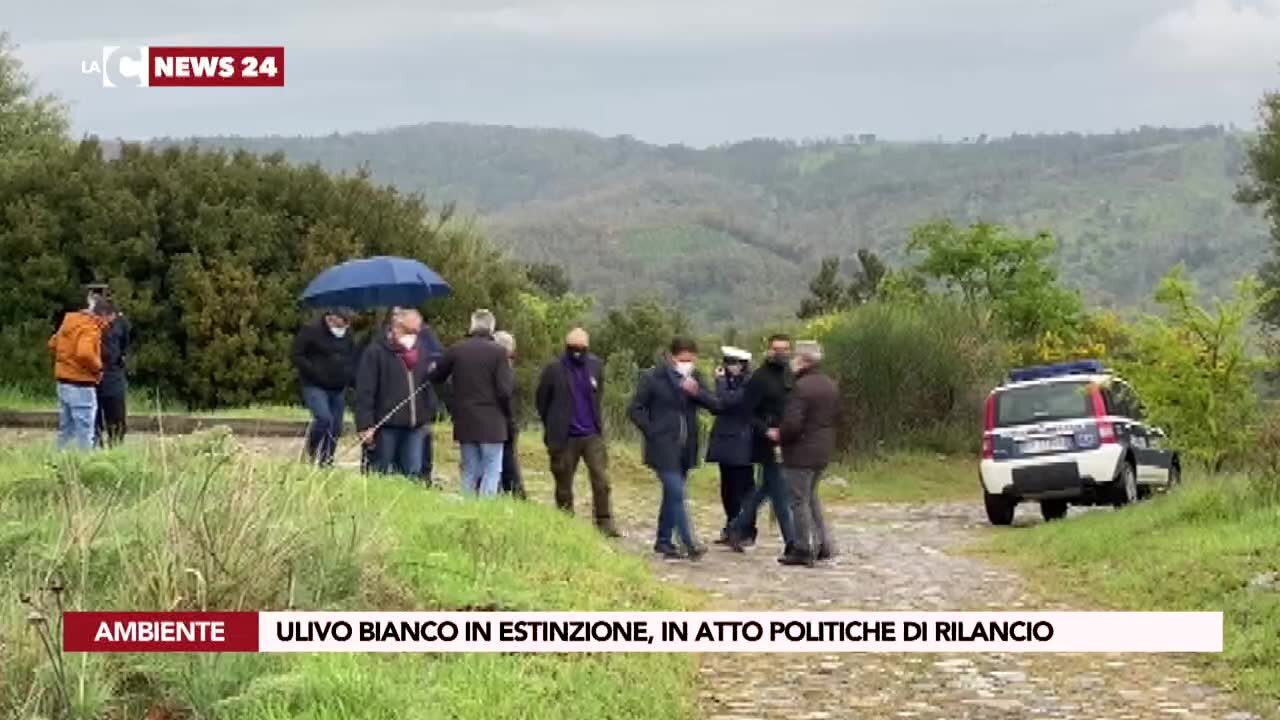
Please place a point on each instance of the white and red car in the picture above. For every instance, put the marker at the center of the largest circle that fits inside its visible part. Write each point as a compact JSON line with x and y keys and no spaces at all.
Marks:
{"x":1069,"y":434}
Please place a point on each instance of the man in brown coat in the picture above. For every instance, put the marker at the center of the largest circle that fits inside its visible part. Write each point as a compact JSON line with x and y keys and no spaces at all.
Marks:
{"x":808,"y":439}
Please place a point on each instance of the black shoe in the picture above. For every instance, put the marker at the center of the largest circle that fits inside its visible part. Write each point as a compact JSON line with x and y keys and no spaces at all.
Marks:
{"x":825,"y":552}
{"x":667,"y":550}
{"x":695,"y":552}
{"x":735,"y":540}
{"x":797,"y":559}
{"x":608,"y":529}
{"x":723,"y":539}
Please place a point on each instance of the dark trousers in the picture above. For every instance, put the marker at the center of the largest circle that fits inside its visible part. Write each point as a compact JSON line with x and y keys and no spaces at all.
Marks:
{"x":428,"y":456}
{"x":327,"y":408}
{"x":773,"y":489}
{"x":810,"y":526}
{"x":737,"y":482}
{"x":512,"y":481}
{"x":398,"y":451}
{"x":564,"y":465}
{"x":111,"y":420}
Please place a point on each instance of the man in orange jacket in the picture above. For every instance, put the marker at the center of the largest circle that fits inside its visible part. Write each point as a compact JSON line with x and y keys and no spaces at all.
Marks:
{"x":77,"y":366}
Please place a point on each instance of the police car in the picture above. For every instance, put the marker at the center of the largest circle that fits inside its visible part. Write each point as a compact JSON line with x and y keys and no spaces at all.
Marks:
{"x":1069,"y":434}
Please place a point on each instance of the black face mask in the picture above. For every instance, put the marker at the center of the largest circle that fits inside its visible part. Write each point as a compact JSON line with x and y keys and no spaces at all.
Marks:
{"x":576,"y":354}
{"x":780,"y":360}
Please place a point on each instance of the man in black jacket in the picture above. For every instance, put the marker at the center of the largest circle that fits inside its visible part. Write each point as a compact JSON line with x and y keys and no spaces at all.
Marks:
{"x":324,"y":356}
{"x":393,"y":402}
{"x":482,"y":389}
{"x":114,"y":386}
{"x":665,"y":409}
{"x":568,"y":400}
{"x":765,"y":398}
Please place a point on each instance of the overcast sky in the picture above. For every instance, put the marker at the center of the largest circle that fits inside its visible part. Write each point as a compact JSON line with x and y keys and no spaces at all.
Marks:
{"x":691,"y":71}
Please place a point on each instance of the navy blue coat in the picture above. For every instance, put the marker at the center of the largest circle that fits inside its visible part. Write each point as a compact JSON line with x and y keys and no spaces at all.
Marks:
{"x":115,"y":348}
{"x":732,"y":433}
{"x":667,"y":417}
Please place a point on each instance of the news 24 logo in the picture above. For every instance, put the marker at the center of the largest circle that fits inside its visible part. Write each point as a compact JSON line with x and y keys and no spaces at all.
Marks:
{"x":153,"y":66}
{"x":120,"y":66}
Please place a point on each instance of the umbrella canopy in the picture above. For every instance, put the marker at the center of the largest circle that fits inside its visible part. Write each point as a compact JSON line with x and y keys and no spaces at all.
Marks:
{"x":375,"y":282}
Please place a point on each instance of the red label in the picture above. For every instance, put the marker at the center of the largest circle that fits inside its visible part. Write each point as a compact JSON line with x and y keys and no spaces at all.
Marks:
{"x":160,"y":632}
{"x":216,"y":66}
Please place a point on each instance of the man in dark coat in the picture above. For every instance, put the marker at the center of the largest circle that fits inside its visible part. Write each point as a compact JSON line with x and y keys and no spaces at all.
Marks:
{"x":393,"y":407}
{"x":430,"y":344}
{"x":807,"y":435}
{"x":482,"y":389}
{"x":324,"y":355}
{"x":765,"y":398}
{"x":665,"y":409}
{"x":114,"y":386}
{"x":568,"y":400}
{"x":731,"y":436}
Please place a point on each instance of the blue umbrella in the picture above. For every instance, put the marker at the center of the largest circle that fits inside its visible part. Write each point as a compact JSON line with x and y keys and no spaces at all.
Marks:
{"x":375,"y":282}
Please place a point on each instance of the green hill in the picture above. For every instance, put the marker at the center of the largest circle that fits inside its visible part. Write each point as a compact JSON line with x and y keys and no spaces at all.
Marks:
{"x":734,"y":232}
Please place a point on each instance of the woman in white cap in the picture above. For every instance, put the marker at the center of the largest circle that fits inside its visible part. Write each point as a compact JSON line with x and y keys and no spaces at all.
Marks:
{"x":730,"y":444}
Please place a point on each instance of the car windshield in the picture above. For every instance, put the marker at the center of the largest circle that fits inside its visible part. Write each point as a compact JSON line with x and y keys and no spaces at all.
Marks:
{"x":1043,"y":402}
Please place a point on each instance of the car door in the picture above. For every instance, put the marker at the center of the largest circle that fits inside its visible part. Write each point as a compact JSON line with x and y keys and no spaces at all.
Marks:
{"x":1140,"y":437}
{"x":1157,"y":457}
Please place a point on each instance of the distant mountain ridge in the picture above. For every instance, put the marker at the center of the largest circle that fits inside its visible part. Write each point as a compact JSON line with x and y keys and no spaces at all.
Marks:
{"x":734,"y":232}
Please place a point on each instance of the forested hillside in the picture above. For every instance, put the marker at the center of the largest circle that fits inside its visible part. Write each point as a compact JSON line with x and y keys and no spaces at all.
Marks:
{"x":735,"y":232}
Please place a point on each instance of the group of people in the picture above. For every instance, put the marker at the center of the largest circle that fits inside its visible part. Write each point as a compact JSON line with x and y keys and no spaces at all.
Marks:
{"x":780,"y":418}
{"x":778,"y":421}
{"x":89,"y":350}
{"x":395,"y":377}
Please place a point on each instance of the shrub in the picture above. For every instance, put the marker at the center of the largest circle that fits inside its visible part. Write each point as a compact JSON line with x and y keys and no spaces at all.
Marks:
{"x":912,"y":374}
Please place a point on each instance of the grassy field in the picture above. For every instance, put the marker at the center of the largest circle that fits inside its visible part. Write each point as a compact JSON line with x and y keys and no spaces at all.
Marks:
{"x":145,"y":402}
{"x":194,"y":522}
{"x":1197,"y":548}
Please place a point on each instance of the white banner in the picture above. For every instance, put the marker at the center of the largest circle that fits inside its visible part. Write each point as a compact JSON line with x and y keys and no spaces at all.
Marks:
{"x":719,"y":632}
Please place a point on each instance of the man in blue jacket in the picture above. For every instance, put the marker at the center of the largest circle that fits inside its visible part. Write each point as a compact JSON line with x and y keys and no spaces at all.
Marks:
{"x":665,"y":409}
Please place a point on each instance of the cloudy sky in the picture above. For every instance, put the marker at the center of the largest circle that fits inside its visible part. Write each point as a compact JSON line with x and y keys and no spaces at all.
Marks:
{"x":691,"y":71}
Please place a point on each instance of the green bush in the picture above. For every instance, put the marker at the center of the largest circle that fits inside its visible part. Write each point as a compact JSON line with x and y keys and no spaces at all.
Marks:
{"x":912,"y":375}
{"x":206,"y":253}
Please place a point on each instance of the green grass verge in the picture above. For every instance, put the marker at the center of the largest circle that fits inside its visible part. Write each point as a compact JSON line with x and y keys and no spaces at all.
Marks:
{"x":194,"y":523}
{"x":1196,"y":548}
{"x":145,"y":402}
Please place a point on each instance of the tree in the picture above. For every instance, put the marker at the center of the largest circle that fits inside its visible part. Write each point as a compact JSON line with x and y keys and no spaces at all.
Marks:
{"x":643,"y":328}
{"x":549,"y":278}
{"x":987,"y":264}
{"x":1263,"y":188}
{"x":31,"y":125}
{"x":829,"y":294}
{"x":1195,"y":370}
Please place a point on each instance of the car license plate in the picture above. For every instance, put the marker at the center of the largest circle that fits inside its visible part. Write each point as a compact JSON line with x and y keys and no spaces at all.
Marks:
{"x":1044,"y":445}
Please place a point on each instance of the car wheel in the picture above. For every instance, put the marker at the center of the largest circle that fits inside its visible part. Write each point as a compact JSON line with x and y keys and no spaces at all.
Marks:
{"x":1000,"y":508}
{"x":1126,"y":486}
{"x":1053,"y":509}
{"x":1175,"y":477}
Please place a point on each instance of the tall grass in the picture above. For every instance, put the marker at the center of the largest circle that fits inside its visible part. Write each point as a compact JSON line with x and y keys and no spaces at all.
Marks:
{"x":142,"y":401}
{"x":912,"y":376}
{"x":194,"y":523}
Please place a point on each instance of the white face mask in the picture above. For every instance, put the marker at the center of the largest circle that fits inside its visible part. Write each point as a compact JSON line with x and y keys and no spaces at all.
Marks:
{"x":684,"y":368}
{"x":408,"y":341}
{"x":338,"y":331}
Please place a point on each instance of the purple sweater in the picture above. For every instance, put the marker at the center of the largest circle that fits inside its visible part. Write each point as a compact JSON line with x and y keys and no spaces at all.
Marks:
{"x":583,"y":422}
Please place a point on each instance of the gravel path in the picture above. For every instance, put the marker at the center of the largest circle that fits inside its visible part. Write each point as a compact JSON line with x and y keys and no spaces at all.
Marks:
{"x":899,"y":557}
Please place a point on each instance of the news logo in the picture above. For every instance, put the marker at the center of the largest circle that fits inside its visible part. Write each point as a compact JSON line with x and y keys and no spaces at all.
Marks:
{"x":154,"y":66}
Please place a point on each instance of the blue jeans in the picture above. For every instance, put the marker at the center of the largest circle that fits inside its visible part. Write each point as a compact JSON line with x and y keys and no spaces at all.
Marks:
{"x":773,"y":488}
{"x":481,"y":468}
{"x":77,"y":415}
{"x":398,"y":451}
{"x":672,"y":515}
{"x":327,"y":408}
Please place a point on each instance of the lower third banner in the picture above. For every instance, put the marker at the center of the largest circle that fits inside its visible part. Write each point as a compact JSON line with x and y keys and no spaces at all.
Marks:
{"x":691,"y":632}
